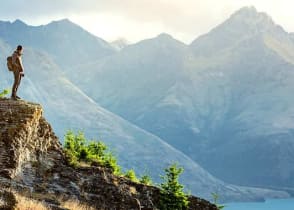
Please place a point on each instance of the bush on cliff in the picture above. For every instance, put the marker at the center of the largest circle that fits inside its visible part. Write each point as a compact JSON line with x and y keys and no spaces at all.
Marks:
{"x":146,"y":179}
{"x":4,"y":93}
{"x":79,"y":149}
{"x":131,"y":174}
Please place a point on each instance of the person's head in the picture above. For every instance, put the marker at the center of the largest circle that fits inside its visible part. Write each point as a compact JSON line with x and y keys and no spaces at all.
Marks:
{"x":19,"y":49}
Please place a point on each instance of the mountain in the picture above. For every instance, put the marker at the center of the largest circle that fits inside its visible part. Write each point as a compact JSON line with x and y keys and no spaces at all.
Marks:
{"x":67,"y":43}
{"x":244,"y":24}
{"x":34,"y":165}
{"x":225,"y":100}
{"x":255,"y":92}
{"x":67,"y":107}
{"x":134,"y":73}
{"x":210,"y":102}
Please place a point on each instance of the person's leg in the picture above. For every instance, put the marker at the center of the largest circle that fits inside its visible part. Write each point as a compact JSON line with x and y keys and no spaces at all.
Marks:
{"x":19,"y":80}
{"x":16,"y":83}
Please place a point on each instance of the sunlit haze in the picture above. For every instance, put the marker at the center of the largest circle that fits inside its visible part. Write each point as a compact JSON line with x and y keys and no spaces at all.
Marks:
{"x":135,"y":20}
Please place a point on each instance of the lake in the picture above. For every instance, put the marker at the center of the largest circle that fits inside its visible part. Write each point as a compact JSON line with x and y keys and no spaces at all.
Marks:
{"x":278,"y":204}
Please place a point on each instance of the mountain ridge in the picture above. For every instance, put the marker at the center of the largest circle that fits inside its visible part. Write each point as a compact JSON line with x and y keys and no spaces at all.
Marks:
{"x":61,"y":39}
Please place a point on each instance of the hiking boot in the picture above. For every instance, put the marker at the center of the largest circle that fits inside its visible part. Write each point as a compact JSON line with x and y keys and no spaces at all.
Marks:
{"x":13,"y":98}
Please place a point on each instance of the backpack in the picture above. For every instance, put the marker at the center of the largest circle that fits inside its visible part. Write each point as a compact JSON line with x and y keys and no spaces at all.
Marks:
{"x":9,"y":63}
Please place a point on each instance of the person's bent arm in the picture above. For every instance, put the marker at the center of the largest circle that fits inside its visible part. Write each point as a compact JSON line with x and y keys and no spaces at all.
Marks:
{"x":20,"y":65}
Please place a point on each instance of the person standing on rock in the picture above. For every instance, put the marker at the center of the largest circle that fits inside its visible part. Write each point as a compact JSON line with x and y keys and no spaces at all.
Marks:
{"x":18,"y":71}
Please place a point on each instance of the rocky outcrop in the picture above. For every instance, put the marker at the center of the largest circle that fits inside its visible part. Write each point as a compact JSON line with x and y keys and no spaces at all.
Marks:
{"x":33,"y":163}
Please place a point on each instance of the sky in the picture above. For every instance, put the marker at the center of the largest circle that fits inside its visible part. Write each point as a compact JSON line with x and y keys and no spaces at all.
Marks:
{"x":135,"y":20}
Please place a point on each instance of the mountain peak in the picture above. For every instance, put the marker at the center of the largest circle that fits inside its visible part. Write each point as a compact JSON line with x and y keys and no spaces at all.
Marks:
{"x":250,"y":15}
{"x":19,"y":22}
{"x":164,"y":36}
{"x":247,"y":10}
{"x":161,"y":41}
{"x":244,"y":24}
{"x":64,"y":21}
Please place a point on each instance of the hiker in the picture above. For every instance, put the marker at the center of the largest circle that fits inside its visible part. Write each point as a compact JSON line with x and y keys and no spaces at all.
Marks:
{"x":18,"y":71}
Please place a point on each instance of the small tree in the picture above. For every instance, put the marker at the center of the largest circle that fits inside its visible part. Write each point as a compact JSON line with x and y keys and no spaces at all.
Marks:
{"x":172,"y":196}
{"x":215,"y":197}
{"x":97,"y":150}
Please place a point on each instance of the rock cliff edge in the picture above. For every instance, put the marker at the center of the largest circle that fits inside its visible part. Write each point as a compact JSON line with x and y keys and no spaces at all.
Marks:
{"x":32,"y":163}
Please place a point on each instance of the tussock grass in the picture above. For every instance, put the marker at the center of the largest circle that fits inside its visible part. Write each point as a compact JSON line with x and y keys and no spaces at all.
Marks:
{"x":24,"y":203}
{"x":75,"y":205}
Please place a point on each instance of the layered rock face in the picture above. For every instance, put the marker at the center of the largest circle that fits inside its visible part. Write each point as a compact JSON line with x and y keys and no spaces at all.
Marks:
{"x":25,"y":138}
{"x":33,"y":163}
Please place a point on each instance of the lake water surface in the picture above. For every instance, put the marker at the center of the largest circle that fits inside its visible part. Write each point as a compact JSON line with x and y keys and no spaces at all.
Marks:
{"x":279,"y":204}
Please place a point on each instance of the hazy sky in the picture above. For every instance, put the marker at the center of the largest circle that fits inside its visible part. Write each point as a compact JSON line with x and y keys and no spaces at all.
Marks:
{"x":140,"y":19}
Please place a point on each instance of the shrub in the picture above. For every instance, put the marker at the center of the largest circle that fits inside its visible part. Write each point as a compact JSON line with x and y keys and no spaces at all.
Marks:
{"x":172,"y":196}
{"x":111,"y":162}
{"x":130,"y":174}
{"x":146,"y":179}
{"x":78,"y":149}
{"x":4,"y":93}
{"x":75,"y":146}
{"x":97,"y":150}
